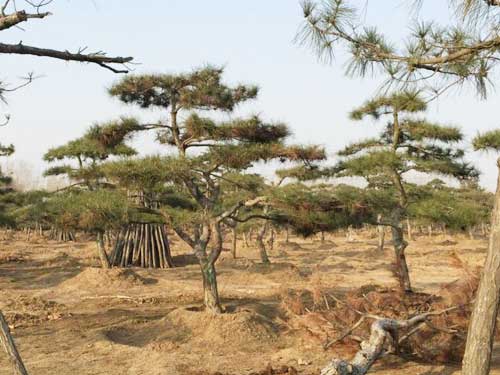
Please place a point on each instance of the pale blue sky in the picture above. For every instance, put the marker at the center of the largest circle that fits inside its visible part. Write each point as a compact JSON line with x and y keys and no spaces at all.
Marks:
{"x":253,"y":39}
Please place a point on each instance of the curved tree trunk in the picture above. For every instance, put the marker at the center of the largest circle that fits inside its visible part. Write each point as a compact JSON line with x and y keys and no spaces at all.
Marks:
{"x":142,"y":245}
{"x":483,"y":321}
{"x":261,"y":245}
{"x":102,"y":251}
{"x":399,"y":247}
{"x":10,"y":348}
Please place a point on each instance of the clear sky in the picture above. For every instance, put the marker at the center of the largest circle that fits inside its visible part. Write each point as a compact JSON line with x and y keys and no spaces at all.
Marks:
{"x":252,"y":39}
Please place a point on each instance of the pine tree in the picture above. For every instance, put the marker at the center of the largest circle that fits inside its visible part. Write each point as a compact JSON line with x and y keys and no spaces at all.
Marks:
{"x":434,"y":57}
{"x":407,"y":143}
{"x":81,"y":158}
{"x":222,"y":148}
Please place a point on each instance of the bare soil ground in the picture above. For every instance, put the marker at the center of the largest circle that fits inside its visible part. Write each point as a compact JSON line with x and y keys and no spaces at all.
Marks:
{"x":70,"y":317}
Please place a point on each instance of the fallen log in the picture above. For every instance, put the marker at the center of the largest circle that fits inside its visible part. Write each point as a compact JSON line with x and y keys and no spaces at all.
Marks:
{"x":383,"y":331}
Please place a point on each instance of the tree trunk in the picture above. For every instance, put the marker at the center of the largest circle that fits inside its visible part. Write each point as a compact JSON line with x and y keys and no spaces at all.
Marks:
{"x":399,"y":247}
{"x":270,"y":240}
{"x":381,"y":234}
{"x":322,"y":237}
{"x":349,"y":234}
{"x":234,"y":243}
{"x":471,"y":233}
{"x":483,"y":320}
{"x":245,"y":239}
{"x":210,"y":291}
{"x":102,"y":251}
{"x":260,"y":244}
{"x":10,"y":347}
{"x":408,"y":228}
{"x":287,"y":234}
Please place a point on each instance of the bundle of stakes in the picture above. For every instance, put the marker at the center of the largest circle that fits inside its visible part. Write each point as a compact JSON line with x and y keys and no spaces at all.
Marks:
{"x":142,"y":245}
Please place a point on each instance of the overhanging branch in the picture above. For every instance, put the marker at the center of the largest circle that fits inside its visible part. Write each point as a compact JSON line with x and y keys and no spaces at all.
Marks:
{"x":13,"y":19}
{"x":94,"y":58}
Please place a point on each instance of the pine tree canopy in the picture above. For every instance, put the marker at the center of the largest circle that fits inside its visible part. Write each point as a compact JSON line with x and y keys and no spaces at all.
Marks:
{"x":87,"y":151}
{"x":200,"y":89}
{"x":405,"y":144}
{"x":463,"y":51}
{"x":92,"y":211}
{"x":488,"y":141}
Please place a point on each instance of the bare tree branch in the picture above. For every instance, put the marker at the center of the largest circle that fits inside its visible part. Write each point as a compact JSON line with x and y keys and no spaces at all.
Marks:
{"x":95,"y":58}
{"x":13,"y":19}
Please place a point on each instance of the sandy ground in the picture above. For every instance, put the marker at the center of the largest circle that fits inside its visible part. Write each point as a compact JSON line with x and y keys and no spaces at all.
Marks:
{"x":70,"y":317}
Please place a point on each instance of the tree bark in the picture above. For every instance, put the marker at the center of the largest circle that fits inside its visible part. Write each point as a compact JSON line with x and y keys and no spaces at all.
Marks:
{"x":210,"y":291}
{"x":409,"y":230}
{"x":102,"y":251}
{"x":10,"y":347}
{"x":399,"y":247}
{"x":260,"y":244}
{"x":234,"y":242}
{"x":381,"y":234}
{"x":483,"y":321}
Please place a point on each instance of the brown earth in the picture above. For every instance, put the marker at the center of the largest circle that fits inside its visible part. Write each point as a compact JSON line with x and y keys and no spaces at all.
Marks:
{"x":70,"y":317}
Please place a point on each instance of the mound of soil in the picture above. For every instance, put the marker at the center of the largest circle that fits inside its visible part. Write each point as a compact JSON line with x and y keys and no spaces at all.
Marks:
{"x":239,"y":329}
{"x":279,"y":271}
{"x":26,"y":311}
{"x":239,"y":263}
{"x":11,"y":258}
{"x":447,"y":243}
{"x":327,"y":245}
{"x":289,"y":246}
{"x":97,"y":278}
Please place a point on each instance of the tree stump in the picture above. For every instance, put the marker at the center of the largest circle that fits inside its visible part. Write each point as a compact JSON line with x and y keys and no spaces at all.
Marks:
{"x":142,"y":245}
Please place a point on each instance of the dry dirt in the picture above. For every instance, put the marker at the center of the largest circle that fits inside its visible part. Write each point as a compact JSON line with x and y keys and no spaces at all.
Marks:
{"x":70,"y":317}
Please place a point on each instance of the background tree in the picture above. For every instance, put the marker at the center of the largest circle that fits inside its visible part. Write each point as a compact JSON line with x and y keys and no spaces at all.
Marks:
{"x":438,"y":58}
{"x":83,"y":157}
{"x":406,"y":144}
{"x":91,"y":211}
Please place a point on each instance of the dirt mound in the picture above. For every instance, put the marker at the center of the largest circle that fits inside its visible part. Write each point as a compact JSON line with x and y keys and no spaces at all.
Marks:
{"x":11,"y":258}
{"x":95,"y":278}
{"x":239,"y":329}
{"x":26,"y":311}
{"x":289,"y":246}
{"x":279,"y":272}
{"x":239,"y":263}
{"x":447,"y":243}
{"x":327,"y":245}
